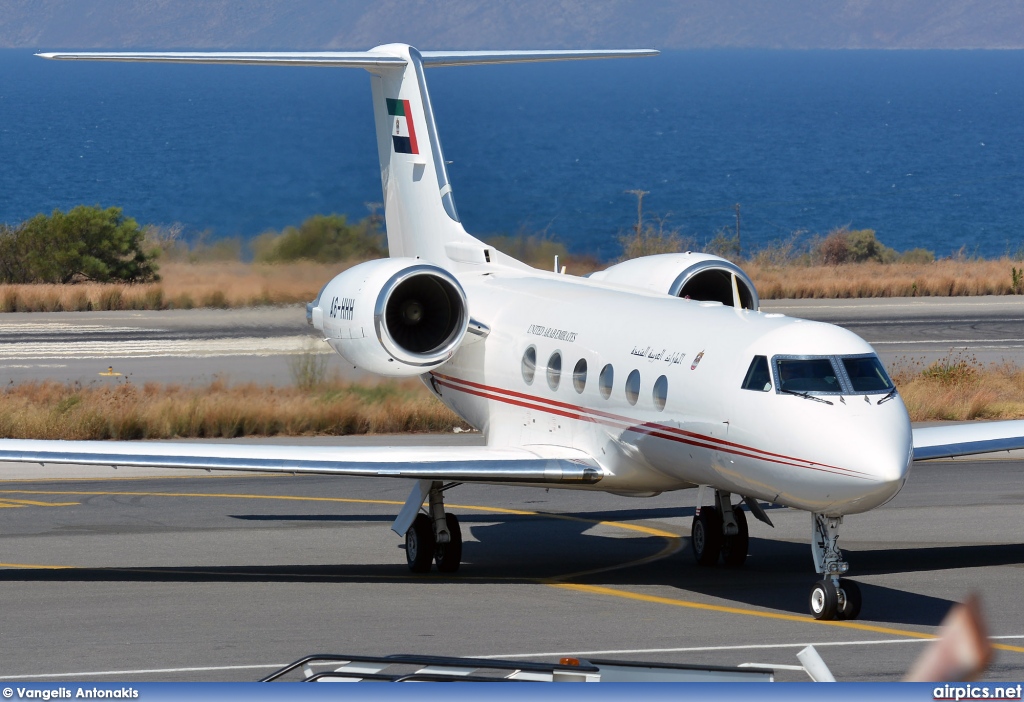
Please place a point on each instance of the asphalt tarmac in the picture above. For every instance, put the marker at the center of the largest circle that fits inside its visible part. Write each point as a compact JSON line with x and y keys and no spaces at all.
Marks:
{"x":107,"y":575}
{"x":261,"y":345}
{"x":191,"y":347}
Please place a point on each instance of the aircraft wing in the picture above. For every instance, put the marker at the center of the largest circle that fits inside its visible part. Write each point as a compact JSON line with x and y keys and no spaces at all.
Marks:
{"x":543,"y":464}
{"x":967,"y":439}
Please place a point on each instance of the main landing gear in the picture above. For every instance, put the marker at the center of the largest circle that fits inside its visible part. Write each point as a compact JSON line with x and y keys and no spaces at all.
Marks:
{"x":436,"y":538}
{"x":831,"y":597}
{"x":719,"y":532}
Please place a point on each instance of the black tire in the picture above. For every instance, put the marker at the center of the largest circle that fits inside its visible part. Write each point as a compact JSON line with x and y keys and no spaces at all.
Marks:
{"x":449,"y":556}
{"x":824,"y":600}
{"x":706,"y":536}
{"x":734,"y":548}
{"x":419,"y":544}
{"x":853,"y":601}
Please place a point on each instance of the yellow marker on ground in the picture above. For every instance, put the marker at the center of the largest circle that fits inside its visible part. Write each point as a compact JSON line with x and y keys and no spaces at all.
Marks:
{"x":32,"y":503}
{"x":110,"y":371}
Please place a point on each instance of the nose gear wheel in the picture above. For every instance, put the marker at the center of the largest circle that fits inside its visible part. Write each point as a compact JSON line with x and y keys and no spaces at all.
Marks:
{"x":824,"y":600}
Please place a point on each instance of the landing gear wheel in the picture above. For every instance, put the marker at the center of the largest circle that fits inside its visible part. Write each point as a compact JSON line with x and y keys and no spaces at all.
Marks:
{"x":824,"y":600}
{"x":420,"y":545}
{"x":734,"y":548}
{"x":706,"y":536}
{"x":852,"y":601}
{"x":449,"y":556}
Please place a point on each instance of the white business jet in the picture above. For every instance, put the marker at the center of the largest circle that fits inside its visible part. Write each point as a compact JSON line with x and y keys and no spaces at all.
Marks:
{"x":656,"y":374}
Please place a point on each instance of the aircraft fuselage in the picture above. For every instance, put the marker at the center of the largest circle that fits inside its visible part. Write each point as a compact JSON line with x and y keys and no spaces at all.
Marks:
{"x":671,"y":412}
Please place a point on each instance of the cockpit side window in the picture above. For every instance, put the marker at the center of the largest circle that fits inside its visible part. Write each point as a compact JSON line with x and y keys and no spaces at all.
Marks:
{"x":866,"y":374}
{"x":816,"y":375}
{"x":758,"y":376}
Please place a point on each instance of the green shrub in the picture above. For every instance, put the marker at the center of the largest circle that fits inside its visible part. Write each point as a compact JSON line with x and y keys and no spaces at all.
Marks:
{"x":845,"y":246}
{"x":86,"y":243}
{"x":724,"y":244}
{"x":322,"y":238}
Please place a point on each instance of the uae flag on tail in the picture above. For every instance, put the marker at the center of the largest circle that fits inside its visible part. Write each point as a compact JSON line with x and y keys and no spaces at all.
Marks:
{"x":403,"y":134}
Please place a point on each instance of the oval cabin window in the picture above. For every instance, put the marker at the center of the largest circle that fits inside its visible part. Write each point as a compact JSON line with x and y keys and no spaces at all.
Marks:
{"x":579,"y":375}
{"x":633,"y":387}
{"x":606,"y":380}
{"x":660,"y":393}
{"x":529,"y":365}
{"x":554,"y":370}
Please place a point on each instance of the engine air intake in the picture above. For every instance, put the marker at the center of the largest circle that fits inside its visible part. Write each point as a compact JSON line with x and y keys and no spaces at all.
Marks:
{"x":716,"y":285}
{"x":422,"y":313}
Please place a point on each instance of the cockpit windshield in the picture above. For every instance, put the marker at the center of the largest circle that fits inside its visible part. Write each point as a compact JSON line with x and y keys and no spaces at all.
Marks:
{"x":866,"y":374}
{"x":808,"y":375}
{"x":830,"y":375}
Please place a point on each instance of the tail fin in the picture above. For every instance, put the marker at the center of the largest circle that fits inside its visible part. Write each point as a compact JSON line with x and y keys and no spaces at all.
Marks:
{"x":420,"y":213}
{"x":419,"y":207}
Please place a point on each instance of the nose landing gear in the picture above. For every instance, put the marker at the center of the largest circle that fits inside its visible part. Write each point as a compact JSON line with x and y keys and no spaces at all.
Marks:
{"x":832,"y":597}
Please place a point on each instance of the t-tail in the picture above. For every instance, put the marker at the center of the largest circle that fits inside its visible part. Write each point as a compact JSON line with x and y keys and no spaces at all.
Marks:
{"x":419,"y":205}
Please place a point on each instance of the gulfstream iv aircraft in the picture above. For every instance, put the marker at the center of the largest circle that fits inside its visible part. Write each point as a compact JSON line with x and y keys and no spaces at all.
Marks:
{"x":655,"y":374}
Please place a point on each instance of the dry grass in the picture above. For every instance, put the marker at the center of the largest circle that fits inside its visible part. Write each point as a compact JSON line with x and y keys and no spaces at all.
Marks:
{"x":958,"y":387}
{"x":48,"y":410}
{"x":183,"y":286}
{"x":954,"y":388}
{"x":235,"y":284}
{"x":947,"y":277}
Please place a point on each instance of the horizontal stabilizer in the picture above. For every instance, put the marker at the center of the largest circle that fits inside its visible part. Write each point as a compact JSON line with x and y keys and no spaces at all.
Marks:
{"x":350,"y":59}
{"x":344,"y":59}
{"x":475,"y":58}
{"x":948,"y":441}
{"x":460,"y":463}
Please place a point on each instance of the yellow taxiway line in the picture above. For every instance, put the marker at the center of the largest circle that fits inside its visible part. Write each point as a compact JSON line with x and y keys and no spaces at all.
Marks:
{"x":33,"y":503}
{"x":674,"y":545}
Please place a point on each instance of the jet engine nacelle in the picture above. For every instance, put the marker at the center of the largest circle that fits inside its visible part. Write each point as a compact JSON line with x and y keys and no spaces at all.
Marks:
{"x":697,"y":276}
{"x":393,"y":316}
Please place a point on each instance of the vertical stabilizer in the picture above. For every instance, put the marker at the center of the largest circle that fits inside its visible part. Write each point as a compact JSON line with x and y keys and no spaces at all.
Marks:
{"x":419,"y":208}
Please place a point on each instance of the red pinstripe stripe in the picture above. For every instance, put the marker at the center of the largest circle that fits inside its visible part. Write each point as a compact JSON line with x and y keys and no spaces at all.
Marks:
{"x":629,"y":422}
{"x":660,"y":431}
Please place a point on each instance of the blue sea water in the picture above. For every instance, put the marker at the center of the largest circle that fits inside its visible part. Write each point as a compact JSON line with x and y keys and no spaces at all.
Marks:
{"x":926,"y":148}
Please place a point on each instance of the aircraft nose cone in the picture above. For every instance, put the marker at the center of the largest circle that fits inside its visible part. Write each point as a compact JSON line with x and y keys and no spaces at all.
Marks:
{"x":891,"y":463}
{"x":885,"y":461}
